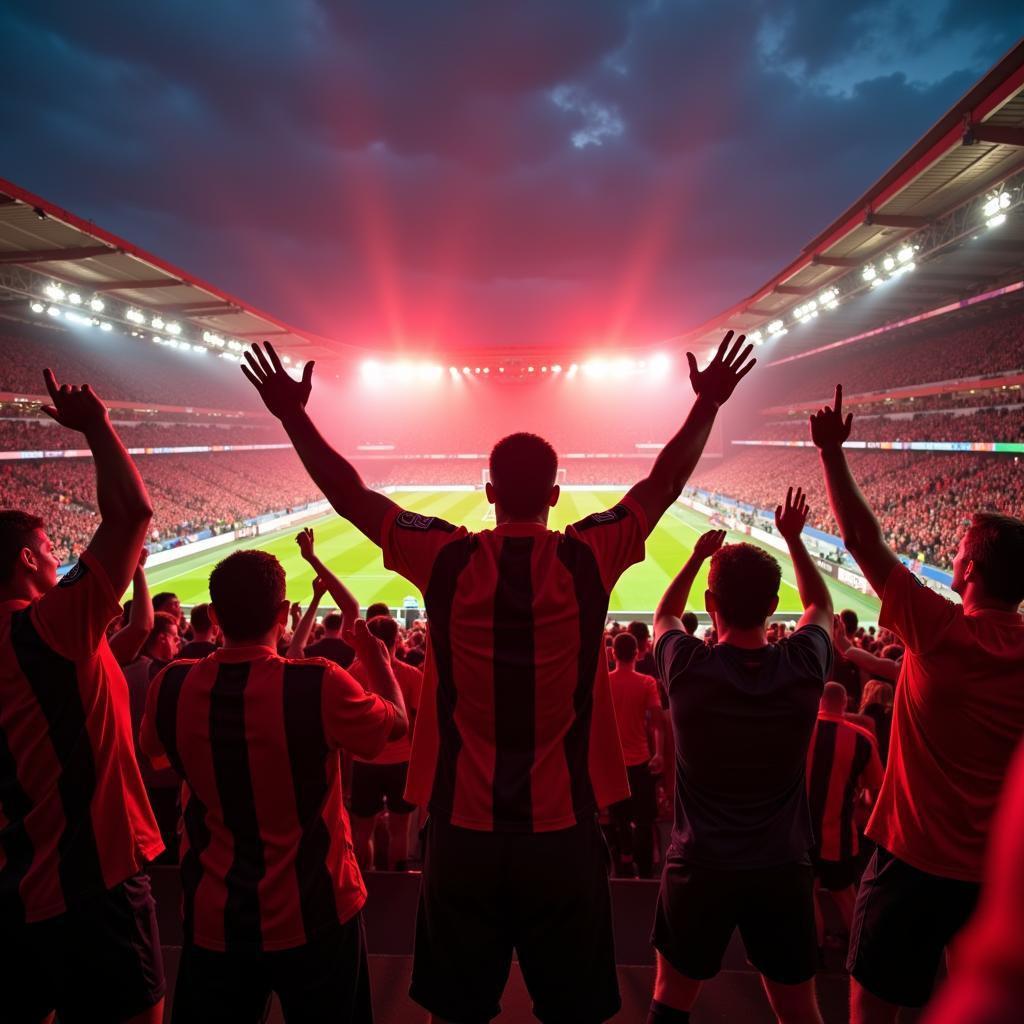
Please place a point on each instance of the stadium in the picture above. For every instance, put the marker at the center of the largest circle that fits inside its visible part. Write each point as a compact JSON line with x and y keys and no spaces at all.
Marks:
{"x":912,"y":298}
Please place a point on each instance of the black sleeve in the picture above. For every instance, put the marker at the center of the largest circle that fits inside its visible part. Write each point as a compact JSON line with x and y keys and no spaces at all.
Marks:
{"x":673,"y":652}
{"x":810,"y":648}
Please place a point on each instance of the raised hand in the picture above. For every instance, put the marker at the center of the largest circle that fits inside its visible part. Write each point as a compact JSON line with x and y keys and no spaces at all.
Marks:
{"x":364,"y":643}
{"x":281,"y":394}
{"x":790,"y":520}
{"x":708,"y":543}
{"x":319,"y":588}
{"x":840,"y":640}
{"x":828,"y":428}
{"x":75,"y":408}
{"x":304,"y":538}
{"x":718,"y":381}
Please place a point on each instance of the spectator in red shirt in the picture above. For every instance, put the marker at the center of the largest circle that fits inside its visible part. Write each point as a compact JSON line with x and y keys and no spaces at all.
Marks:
{"x":637,"y":707}
{"x":515,"y":746}
{"x":743,"y":712}
{"x":959,"y":714}
{"x":272,"y":892}
{"x":77,"y":827}
{"x":381,"y":780}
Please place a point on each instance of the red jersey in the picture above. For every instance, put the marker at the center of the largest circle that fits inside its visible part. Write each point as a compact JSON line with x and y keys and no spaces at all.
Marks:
{"x":516,"y":730}
{"x":410,"y":681}
{"x":266,"y":858}
{"x":633,"y":696}
{"x":958,"y":715}
{"x":74,"y":817}
{"x":842,"y":760}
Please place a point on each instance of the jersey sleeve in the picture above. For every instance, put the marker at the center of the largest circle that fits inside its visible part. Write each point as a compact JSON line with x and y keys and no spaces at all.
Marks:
{"x":673,"y":651}
{"x":615,"y":536}
{"x":73,"y":617}
{"x":355,"y":720}
{"x":810,"y":651}
{"x":411,"y":543}
{"x":914,"y":612}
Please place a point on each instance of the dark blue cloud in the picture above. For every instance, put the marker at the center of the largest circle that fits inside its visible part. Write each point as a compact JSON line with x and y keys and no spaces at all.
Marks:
{"x":484,"y":172}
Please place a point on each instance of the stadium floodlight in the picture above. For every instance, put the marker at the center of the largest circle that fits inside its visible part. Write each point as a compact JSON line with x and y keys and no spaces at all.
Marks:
{"x":476,"y":369}
{"x":235,"y":346}
{"x":994,"y":208}
{"x":465,"y":370}
{"x":905,"y":269}
{"x":756,"y":337}
{"x":173,"y":328}
{"x":597,"y":368}
{"x":77,"y":318}
{"x":96,"y":304}
{"x":136,"y":316}
{"x":888,"y":264}
{"x":660,"y":364}
{"x":487,"y":369}
{"x":556,"y":368}
{"x":36,"y":307}
{"x":807,"y":312}
{"x":543,"y":369}
{"x":157,"y":323}
{"x":906,"y":254}
{"x":501,"y":369}
{"x":776,"y":328}
{"x":106,"y":325}
{"x":370,"y":370}
{"x":573,"y":369}
{"x":996,"y":221}
{"x":53,"y":311}
{"x":55,"y":292}
{"x":200,"y":349}
{"x":75,"y":299}
{"x":869,"y":273}
{"x":829,"y":298}
{"x":287,"y":360}
{"x":529,"y":369}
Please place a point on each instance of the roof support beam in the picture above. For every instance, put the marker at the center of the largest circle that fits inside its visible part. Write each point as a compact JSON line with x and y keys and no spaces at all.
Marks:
{"x":258,"y":334}
{"x":55,"y":255}
{"x":893,"y":220}
{"x":836,"y":261}
{"x":124,"y":286}
{"x":1000,"y":134}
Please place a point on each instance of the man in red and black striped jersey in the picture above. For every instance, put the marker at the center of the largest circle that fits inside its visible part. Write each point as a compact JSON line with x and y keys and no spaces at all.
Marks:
{"x":515,"y":745}
{"x":383,"y":778}
{"x":272,"y":891}
{"x":78,"y":927}
{"x":842,"y":762}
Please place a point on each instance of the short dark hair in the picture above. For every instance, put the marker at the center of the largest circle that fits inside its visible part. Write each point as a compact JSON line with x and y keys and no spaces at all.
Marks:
{"x":745,"y":581}
{"x":690,"y":623}
{"x":200,"y":617}
{"x":16,"y":529}
{"x":377,"y":608}
{"x":246,"y":590}
{"x":163,"y":598}
{"x":383,"y":627}
{"x":639,"y":632}
{"x":333,"y":621}
{"x":163,"y":622}
{"x":523,"y":470}
{"x":848,"y":617}
{"x":995,"y":543}
{"x":624,"y":647}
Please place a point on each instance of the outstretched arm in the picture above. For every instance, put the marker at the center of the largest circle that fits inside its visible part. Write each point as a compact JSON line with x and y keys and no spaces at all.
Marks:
{"x":876,"y":667}
{"x":668,"y":614}
{"x":857,"y":524}
{"x":677,"y":460}
{"x":336,"y":477}
{"x":380,"y":677}
{"x":300,"y":635}
{"x":343,"y":597}
{"x":127,"y":642}
{"x":814,"y":594}
{"x":125,"y":509}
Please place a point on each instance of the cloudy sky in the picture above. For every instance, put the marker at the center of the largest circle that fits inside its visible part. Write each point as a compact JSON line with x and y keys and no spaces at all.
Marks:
{"x":432,"y":173}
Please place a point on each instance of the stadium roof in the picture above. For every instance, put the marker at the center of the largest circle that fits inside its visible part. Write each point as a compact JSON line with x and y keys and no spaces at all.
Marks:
{"x":38,"y":238}
{"x":931,"y":206}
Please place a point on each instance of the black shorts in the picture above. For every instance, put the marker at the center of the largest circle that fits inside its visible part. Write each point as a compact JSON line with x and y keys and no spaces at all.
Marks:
{"x":837,"y":875}
{"x":543,"y":894}
{"x":903,"y":921}
{"x":324,"y":980}
{"x":699,"y":908}
{"x":100,"y":961}
{"x":372,"y":784}
{"x":641,"y":806}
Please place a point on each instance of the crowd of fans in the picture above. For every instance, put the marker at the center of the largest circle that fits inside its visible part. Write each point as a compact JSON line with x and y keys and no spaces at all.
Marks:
{"x":953,"y":348}
{"x":1009,"y":395}
{"x":1003,"y":424}
{"x":191,"y":493}
{"x":922,"y":500}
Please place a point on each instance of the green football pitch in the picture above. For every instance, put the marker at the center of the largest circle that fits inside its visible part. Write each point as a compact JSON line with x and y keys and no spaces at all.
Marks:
{"x":358,"y":562}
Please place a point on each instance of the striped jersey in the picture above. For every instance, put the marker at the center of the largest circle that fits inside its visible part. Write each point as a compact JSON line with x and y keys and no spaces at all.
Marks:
{"x":842,"y":760}
{"x":516,"y":730}
{"x":266,"y":856}
{"x":74,"y":817}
